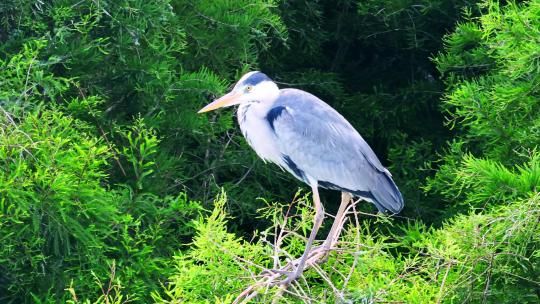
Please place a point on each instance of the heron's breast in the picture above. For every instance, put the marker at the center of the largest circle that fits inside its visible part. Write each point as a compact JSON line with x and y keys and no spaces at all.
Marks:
{"x":258,"y":134}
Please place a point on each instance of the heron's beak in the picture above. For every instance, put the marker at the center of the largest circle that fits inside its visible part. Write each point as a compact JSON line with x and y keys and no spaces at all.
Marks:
{"x":227,"y":100}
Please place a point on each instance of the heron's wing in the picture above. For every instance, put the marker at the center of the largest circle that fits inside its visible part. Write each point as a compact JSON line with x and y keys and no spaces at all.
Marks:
{"x":317,"y":141}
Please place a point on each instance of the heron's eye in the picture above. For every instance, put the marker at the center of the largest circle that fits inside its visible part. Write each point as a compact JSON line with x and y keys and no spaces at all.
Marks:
{"x":249,"y":88}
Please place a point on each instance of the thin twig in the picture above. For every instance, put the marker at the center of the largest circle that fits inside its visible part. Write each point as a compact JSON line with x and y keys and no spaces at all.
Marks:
{"x":439,"y":297}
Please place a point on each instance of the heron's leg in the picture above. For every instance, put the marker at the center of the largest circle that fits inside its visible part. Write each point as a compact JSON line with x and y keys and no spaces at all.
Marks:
{"x":333,"y":235}
{"x":317,"y":221}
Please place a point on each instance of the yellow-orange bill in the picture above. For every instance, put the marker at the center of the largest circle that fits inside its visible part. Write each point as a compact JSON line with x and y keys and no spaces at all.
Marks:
{"x":225,"y":101}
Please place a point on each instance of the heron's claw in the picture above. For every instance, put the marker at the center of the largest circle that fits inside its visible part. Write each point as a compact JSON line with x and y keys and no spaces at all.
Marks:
{"x":317,"y":255}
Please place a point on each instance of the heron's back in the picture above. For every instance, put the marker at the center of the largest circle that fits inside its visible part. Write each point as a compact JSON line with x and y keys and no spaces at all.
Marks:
{"x":319,"y":144}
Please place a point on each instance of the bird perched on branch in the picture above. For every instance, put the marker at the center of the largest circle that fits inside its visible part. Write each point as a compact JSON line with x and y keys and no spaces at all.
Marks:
{"x":312,"y":141}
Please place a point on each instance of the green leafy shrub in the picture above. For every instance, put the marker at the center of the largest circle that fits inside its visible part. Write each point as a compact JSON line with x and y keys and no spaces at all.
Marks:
{"x":495,"y":109}
{"x":490,"y":68}
{"x":55,"y":213}
{"x":61,"y":224}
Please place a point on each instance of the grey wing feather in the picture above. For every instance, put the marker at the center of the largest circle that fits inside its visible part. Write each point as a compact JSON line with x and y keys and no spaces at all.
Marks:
{"x":321,"y":143}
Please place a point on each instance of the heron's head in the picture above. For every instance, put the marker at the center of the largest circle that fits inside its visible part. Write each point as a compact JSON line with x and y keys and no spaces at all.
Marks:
{"x":252,"y":87}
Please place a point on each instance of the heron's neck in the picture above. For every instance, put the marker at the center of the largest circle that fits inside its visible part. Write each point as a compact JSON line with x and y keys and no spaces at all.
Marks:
{"x":256,"y":129}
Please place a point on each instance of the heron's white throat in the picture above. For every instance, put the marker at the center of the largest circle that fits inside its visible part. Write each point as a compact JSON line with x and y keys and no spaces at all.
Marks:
{"x":253,"y":123}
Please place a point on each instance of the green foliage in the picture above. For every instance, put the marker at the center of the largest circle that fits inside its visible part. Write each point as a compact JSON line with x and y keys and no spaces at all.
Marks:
{"x":142,"y":144}
{"x":369,"y":273}
{"x":24,"y":81}
{"x":248,"y":28}
{"x":479,"y":182}
{"x":156,"y":60}
{"x":60,"y":225}
{"x":83,"y":70}
{"x":208,"y":269}
{"x":492,"y":166}
{"x":491,"y":257}
{"x":496,"y":106}
{"x":52,"y":201}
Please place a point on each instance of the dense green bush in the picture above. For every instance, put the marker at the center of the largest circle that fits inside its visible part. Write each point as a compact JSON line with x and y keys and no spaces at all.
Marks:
{"x":60,"y":223}
{"x":491,"y":70}
{"x":54,"y":211}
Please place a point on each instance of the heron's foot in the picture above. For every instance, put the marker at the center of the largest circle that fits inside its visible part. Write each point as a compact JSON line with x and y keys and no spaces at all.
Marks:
{"x":286,"y":275}
{"x":290,"y":272}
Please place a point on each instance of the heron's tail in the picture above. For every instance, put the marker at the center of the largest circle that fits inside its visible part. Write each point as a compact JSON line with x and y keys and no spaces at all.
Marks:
{"x":387,"y":197}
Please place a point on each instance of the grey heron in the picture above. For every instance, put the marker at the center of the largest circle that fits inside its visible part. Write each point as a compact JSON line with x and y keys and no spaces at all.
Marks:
{"x":305,"y":136}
